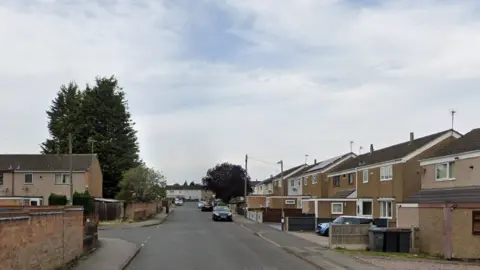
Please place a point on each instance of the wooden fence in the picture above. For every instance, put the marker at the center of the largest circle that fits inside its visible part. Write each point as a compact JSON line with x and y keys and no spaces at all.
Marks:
{"x":349,"y":236}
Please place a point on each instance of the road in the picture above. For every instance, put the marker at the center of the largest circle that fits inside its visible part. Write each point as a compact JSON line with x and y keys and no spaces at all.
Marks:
{"x":190,"y":240}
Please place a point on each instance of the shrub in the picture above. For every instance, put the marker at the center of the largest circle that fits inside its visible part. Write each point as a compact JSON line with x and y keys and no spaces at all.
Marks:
{"x":84,"y":199}
{"x":55,"y":199}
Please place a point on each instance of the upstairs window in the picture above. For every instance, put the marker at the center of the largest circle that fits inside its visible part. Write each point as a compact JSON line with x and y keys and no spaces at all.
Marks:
{"x":304,"y":181}
{"x":386,"y":173}
{"x":62,"y":179}
{"x":445,"y":171}
{"x":365,"y":176}
{"x":1,"y":178}
{"x":350,"y":179}
{"x":336,"y":181}
{"x":314,"y":179}
{"x":28,"y":178}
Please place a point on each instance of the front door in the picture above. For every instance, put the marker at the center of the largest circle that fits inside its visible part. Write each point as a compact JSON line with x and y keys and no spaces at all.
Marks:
{"x":364,"y":208}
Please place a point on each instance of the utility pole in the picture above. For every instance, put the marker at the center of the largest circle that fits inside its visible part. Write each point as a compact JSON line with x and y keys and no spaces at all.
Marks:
{"x":92,"y":141}
{"x":70,"y":152}
{"x":453,"y":112}
{"x":351,"y":146}
{"x":283,"y":199}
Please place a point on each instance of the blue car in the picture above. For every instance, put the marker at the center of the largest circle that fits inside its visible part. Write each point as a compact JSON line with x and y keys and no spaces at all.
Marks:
{"x":323,"y":228}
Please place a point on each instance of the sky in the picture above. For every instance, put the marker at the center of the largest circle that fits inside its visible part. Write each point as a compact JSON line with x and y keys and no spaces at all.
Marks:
{"x":209,"y":81}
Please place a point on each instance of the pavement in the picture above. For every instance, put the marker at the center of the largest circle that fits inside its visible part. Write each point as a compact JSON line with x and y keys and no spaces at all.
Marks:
{"x":112,"y":254}
{"x":320,"y":256}
{"x":157,"y":219}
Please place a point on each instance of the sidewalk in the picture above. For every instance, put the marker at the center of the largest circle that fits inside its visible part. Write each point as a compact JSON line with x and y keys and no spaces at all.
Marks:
{"x":112,"y":254}
{"x":322,"y":257}
{"x":158,"y":219}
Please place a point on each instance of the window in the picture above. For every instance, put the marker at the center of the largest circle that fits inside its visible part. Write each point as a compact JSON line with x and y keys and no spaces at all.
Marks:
{"x":336,"y":181}
{"x":350,"y":179}
{"x":365,"y":208}
{"x":28,"y":178}
{"x":1,"y":178}
{"x":386,"y":209}
{"x":289,"y":201}
{"x":476,"y":222}
{"x":279,"y":183}
{"x":304,"y":181}
{"x":62,"y":179}
{"x":365,"y":176}
{"x":314,"y":179}
{"x":386,"y":173}
{"x":445,"y":171}
{"x":337,"y":208}
{"x":292,"y":182}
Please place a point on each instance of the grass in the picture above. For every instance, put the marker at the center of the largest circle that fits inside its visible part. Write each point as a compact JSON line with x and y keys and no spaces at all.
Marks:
{"x":388,"y":254}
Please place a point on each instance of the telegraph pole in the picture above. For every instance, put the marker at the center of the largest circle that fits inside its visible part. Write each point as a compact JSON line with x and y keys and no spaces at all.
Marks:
{"x":92,"y":141}
{"x":70,"y":152}
{"x":246,"y":184}
{"x":283,"y":199}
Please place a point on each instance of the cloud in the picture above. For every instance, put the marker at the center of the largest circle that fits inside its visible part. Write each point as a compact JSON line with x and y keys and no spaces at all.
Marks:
{"x":211,"y":81}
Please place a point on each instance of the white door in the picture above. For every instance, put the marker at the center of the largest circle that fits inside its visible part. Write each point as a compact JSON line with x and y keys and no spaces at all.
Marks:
{"x":364,"y":208}
{"x":299,"y":203}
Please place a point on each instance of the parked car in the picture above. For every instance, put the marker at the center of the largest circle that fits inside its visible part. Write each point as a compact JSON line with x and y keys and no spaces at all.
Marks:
{"x":221,"y":213}
{"x":200,"y":204}
{"x":207,"y":207}
{"x":178,"y":202}
{"x":323,"y":228}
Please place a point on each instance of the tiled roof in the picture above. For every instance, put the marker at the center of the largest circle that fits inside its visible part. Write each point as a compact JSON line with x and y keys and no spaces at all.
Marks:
{"x":50,"y":162}
{"x":389,"y":153}
{"x":342,"y":194}
{"x":445,"y":195}
{"x":285,"y":174}
{"x":182,"y":187}
{"x":325,"y":163}
{"x":468,"y":142}
{"x":303,"y":170}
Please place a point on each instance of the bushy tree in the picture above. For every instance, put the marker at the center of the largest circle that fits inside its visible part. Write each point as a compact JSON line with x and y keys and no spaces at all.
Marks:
{"x":227,"y":181}
{"x":99,"y":113}
{"x":142,"y":184}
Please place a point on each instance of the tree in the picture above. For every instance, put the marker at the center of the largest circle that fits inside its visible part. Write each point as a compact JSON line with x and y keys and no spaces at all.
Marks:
{"x":227,"y":181}
{"x":142,"y":184}
{"x":192,"y":184}
{"x":100,"y":112}
{"x":185,"y":184}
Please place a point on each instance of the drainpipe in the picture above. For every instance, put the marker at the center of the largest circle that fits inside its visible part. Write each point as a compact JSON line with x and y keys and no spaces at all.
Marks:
{"x":13,"y":183}
{"x":356,"y":190}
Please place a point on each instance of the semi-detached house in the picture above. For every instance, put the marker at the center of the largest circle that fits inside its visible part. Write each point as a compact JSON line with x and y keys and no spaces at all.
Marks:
{"x":385,"y":176}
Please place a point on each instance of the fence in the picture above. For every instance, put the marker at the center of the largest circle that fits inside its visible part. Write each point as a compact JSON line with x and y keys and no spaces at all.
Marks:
{"x":140,"y":211}
{"x":275,"y":214}
{"x":45,"y":237}
{"x":349,"y":236}
{"x":255,"y":216}
{"x":304,"y":223}
{"x":109,"y":210}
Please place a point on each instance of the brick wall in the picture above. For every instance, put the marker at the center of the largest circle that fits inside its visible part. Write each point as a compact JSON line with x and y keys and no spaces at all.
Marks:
{"x":139,"y":211}
{"x":40,"y":237}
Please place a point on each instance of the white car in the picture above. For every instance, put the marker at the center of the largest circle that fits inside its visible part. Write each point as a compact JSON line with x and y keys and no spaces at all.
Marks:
{"x":178,"y":202}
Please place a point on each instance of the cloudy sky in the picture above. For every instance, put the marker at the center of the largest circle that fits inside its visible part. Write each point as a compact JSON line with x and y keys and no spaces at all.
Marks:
{"x":212,"y":80}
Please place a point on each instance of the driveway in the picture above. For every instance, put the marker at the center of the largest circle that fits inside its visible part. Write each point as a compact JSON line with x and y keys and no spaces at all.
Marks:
{"x":190,"y":240}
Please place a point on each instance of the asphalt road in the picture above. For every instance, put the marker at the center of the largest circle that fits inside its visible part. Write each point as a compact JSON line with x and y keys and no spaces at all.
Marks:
{"x":190,"y":240}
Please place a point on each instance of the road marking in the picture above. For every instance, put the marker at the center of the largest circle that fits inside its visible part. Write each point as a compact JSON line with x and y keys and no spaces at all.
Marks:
{"x":268,"y":240}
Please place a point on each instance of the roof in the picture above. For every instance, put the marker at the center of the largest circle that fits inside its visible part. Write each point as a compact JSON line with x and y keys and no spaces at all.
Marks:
{"x":49,"y":162}
{"x":393,"y":152}
{"x":182,"y":187}
{"x":285,"y":174}
{"x":342,"y":194}
{"x":325,"y":163}
{"x":254,"y":183}
{"x":444,"y":195}
{"x":467,"y":143}
{"x":302,"y":171}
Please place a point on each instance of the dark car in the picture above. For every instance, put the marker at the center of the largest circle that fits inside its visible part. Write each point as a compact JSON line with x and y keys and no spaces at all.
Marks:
{"x":221,"y":213}
{"x":207,"y":207}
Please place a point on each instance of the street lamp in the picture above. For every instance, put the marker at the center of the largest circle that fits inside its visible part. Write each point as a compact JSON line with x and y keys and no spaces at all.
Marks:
{"x":283,"y":199}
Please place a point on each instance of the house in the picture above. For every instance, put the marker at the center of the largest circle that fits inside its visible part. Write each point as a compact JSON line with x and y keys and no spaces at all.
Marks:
{"x":257,"y":187}
{"x":446,"y":209}
{"x":188,"y":192}
{"x":385,"y":176}
{"x":31,"y":178}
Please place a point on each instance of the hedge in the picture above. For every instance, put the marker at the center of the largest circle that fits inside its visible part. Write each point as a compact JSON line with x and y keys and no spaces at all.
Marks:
{"x":55,"y":199}
{"x":84,"y":199}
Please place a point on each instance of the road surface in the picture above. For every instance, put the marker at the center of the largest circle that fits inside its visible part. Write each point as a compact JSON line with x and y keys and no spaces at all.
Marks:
{"x":190,"y":240}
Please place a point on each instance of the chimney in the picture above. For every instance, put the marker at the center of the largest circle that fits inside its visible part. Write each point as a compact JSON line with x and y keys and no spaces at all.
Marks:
{"x":315,"y":161}
{"x":371,"y":148}
{"x":412,"y":137}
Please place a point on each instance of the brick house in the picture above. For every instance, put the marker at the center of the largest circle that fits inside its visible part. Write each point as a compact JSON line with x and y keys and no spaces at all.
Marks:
{"x":446,"y":209}
{"x":31,"y":178}
{"x":385,"y":176}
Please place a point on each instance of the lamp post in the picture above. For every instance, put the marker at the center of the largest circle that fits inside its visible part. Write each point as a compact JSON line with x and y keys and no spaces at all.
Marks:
{"x":283,"y":199}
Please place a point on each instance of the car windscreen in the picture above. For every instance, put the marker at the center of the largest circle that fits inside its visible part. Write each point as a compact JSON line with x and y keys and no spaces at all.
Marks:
{"x":338,"y":220}
{"x":221,"y":208}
